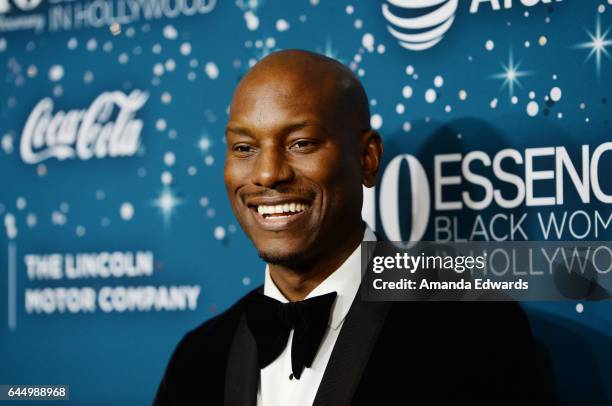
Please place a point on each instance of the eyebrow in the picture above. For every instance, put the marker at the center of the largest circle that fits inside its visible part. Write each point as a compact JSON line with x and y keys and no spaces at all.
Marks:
{"x":241,"y":130}
{"x":299,"y":125}
{"x":238,"y":130}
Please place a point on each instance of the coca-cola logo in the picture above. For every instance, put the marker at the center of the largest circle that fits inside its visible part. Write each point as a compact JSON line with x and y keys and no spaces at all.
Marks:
{"x":107,"y":128}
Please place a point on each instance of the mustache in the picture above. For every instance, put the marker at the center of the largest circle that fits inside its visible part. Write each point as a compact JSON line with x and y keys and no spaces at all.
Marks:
{"x":279,"y":191}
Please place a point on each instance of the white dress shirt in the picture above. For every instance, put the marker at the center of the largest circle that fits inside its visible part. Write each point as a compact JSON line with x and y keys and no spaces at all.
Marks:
{"x":275,"y":386}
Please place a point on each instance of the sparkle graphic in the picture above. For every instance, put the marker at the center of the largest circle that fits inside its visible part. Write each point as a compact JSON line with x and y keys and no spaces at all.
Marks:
{"x":511,"y":74}
{"x":597,"y":45}
{"x":167,"y":202}
{"x":329,"y":51}
{"x":204,"y":144}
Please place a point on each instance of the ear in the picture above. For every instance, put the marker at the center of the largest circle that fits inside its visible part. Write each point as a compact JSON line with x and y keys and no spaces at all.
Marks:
{"x":371,"y":155}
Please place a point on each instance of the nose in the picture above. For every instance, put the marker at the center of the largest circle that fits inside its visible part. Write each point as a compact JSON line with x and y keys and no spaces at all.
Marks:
{"x":271,"y":168}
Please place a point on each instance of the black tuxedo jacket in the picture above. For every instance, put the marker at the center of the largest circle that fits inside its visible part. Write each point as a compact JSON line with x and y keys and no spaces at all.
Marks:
{"x":387,"y":353}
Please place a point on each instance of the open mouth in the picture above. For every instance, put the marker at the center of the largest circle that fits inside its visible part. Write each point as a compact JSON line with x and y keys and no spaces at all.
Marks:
{"x":281,"y":210}
{"x":277,"y":217}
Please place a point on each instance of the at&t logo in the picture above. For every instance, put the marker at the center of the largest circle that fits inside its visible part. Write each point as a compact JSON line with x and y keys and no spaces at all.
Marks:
{"x":423,"y":30}
{"x":420,"y":24}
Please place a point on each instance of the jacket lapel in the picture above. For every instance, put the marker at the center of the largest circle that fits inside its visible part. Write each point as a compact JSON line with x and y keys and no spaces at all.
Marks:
{"x":242,"y":374}
{"x":351,"y":352}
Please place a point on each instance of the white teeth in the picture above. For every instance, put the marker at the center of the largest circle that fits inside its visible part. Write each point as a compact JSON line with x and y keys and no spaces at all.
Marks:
{"x":281,"y":208}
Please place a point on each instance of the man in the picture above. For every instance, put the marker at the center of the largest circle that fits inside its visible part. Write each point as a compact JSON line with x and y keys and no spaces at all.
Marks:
{"x":299,"y":150}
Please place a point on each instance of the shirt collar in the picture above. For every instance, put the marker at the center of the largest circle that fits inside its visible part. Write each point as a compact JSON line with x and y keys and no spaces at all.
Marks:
{"x":345,"y":281}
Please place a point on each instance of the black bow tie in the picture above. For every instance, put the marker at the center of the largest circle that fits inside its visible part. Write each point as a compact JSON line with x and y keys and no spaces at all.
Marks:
{"x":271,"y":321}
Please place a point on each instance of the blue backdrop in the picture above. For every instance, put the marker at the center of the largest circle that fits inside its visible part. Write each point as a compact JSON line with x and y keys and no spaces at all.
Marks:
{"x":117,"y":236}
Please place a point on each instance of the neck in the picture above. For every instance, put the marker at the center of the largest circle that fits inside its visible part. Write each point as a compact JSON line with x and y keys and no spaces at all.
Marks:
{"x":296,"y":283}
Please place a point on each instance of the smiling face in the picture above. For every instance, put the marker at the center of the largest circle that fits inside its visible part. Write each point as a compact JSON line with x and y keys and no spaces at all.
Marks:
{"x":294,"y":165}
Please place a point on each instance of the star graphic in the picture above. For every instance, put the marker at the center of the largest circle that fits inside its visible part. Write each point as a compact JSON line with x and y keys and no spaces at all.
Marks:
{"x":329,"y":51}
{"x":167,"y":202}
{"x":597,"y":45}
{"x":510,"y":74}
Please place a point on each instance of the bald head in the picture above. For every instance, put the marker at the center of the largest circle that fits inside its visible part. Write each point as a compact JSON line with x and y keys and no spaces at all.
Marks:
{"x":325,"y":85}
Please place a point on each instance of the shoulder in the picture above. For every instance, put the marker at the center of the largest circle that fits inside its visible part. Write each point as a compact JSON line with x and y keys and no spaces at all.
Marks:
{"x":441,"y":347}
{"x":506,"y":312}
{"x":211,"y":337}
{"x":487,"y":325}
{"x":470,"y":333}
{"x":200,"y":357}
{"x":215,"y":329}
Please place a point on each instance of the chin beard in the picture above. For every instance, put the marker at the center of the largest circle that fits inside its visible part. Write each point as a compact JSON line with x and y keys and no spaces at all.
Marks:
{"x":290,"y":260}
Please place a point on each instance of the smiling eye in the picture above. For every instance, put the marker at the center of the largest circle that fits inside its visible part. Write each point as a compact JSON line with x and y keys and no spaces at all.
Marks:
{"x":302,"y":145}
{"x":243,"y":149}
